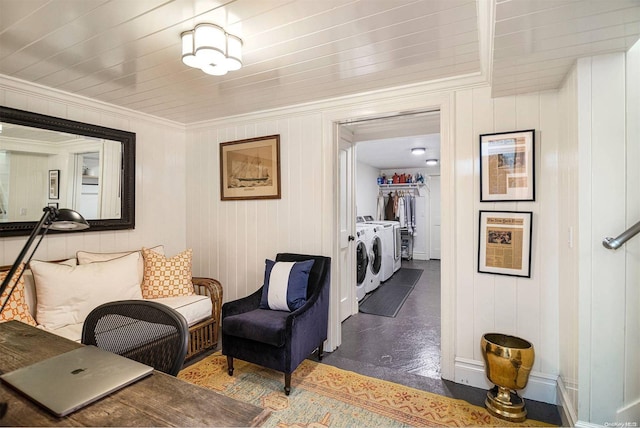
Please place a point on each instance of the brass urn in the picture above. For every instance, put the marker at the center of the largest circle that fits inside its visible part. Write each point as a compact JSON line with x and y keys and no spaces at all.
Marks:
{"x":508,"y":361}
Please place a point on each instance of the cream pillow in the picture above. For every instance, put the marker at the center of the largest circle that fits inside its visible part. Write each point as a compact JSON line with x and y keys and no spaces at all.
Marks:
{"x":86,"y":257}
{"x":67,"y":294}
{"x":165,"y":277}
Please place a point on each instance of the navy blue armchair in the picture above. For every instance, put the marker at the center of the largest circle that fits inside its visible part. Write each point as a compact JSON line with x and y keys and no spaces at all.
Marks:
{"x":279,"y":340}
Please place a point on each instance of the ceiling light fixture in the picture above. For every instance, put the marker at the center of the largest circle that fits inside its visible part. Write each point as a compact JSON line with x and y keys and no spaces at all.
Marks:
{"x":432,"y":162}
{"x":210,"y":48}
{"x":418,"y":151}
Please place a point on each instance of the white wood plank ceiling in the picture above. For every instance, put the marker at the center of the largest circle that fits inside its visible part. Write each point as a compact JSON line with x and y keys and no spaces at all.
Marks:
{"x":127,"y":52}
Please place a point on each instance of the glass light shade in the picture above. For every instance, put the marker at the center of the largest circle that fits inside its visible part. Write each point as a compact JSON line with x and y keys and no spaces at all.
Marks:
{"x":432,"y":162}
{"x":188,"y":57}
{"x":209,"y":44}
{"x":234,"y":52}
{"x":215,"y":70}
{"x":418,"y":151}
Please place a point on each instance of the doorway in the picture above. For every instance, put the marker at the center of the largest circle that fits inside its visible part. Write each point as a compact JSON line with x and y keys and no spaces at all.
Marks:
{"x":409,"y":342}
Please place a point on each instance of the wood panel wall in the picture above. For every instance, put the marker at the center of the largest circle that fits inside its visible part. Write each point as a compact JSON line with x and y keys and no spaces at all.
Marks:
{"x":569,"y":251}
{"x":524,"y":307}
{"x":232,"y":239}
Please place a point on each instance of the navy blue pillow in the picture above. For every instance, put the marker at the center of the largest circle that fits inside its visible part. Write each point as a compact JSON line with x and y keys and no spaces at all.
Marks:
{"x":285,"y":285}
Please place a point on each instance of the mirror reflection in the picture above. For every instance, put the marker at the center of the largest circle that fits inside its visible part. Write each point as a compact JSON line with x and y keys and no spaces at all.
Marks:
{"x":40,"y":167}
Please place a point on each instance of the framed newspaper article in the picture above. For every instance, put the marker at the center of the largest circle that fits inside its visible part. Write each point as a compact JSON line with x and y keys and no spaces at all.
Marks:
{"x":507,"y":166}
{"x":505,"y":243}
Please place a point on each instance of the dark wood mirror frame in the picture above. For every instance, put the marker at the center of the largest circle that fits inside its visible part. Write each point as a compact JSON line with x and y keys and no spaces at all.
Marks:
{"x":128,"y":141}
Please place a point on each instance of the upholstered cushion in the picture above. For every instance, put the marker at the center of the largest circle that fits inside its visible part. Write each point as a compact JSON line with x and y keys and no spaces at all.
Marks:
{"x":260,"y":325}
{"x":71,"y":331}
{"x":194,"y":308}
{"x":86,"y":257}
{"x":67,"y":294}
{"x":285,"y":285}
{"x":16,"y":307}
{"x":166,"y":277}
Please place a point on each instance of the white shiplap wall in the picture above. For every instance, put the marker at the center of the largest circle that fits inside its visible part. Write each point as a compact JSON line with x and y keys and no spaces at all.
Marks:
{"x":160,"y":175}
{"x":608,"y":201}
{"x":568,"y":250}
{"x":231,"y":239}
{"x":525,"y":307}
{"x":631,"y":409}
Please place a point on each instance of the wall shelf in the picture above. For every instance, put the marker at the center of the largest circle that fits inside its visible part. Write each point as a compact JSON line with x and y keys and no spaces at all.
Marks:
{"x":400,"y":185}
{"x":418,"y":188}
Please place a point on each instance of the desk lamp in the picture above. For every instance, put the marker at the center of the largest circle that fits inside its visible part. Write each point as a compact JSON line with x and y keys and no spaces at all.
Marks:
{"x":53,"y":218}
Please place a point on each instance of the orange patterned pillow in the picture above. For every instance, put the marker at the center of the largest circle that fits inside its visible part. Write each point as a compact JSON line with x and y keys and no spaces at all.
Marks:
{"x":16,"y":308}
{"x":166,"y":277}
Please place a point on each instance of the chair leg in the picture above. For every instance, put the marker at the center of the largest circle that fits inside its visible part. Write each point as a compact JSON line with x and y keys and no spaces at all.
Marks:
{"x":287,"y":383}
{"x":230,"y":365}
{"x":320,"y":351}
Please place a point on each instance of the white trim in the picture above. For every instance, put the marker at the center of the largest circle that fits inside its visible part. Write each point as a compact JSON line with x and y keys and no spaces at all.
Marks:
{"x":541,"y":386}
{"x":73,"y":100}
{"x":390,"y":105}
{"x":353,"y":101}
{"x":629,"y":413}
{"x":486,"y":30}
{"x":420,"y":255}
{"x":584,"y":424}
{"x":568,"y":414}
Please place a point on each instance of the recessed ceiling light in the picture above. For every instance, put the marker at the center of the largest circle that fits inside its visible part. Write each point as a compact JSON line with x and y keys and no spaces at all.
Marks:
{"x":432,"y":162}
{"x":418,"y":151}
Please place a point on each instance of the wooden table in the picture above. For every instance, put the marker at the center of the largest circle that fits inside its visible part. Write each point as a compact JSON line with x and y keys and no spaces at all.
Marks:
{"x":157,"y":400}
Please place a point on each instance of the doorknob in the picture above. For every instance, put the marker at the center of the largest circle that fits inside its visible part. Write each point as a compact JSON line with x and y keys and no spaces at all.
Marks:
{"x":352,"y":238}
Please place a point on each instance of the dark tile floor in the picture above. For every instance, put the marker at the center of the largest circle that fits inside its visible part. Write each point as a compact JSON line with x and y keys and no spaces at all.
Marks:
{"x":406,"y":349}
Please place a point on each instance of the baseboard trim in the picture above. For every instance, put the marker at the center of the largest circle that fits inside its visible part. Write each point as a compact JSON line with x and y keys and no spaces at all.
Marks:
{"x":420,"y":256}
{"x":541,"y":386}
{"x":567,"y":411}
{"x":583,"y":424}
{"x":629,"y":413}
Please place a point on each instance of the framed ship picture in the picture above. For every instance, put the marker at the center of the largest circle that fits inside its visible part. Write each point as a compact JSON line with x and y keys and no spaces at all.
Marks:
{"x":250,"y":169}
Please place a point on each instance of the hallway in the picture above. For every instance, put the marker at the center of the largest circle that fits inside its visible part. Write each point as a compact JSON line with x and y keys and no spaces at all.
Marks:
{"x":406,"y":349}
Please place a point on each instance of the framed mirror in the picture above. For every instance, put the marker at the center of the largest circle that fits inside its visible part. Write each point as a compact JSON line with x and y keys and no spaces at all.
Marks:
{"x":49,"y":161}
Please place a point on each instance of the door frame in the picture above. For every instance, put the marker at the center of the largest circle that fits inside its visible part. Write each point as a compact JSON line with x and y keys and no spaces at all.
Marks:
{"x":443,"y":102}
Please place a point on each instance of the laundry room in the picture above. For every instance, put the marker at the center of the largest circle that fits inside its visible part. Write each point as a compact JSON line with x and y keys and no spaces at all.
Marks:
{"x":397,"y":224}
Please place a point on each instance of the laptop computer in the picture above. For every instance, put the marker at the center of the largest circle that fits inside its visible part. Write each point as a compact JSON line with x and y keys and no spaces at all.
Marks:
{"x":69,"y":381}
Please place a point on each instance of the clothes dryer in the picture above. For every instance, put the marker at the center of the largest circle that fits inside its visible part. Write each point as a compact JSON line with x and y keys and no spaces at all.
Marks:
{"x":375,"y":256}
{"x":391,"y":246}
{"x":363,"y":273}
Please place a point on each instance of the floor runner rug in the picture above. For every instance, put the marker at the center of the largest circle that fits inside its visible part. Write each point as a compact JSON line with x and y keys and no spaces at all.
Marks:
{"x":325,"y":396}
{"x":389,"y":297}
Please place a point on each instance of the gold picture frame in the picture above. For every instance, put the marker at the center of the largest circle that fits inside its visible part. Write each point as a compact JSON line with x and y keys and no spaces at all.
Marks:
{"x":250,"y":169}
{"x":507,"y":166}
{"x":504,"y":243}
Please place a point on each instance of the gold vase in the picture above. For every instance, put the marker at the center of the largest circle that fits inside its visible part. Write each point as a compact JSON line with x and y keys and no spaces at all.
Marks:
{"x":508,"y":361}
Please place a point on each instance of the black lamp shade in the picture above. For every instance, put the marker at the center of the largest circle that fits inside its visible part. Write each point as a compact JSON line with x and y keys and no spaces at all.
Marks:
{"x":68,"y":220}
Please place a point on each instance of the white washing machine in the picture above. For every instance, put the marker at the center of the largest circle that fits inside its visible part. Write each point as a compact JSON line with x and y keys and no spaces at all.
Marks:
{"x":391,"y":246}
{"x":374,"y":245}
{"x":363,"y":273}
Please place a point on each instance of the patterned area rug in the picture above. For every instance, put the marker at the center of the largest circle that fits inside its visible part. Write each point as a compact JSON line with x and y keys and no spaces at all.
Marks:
{"x":325,"y":396}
